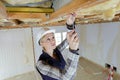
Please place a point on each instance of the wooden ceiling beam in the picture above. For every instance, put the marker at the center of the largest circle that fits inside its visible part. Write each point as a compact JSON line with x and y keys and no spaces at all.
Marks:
{"x":13,"y":27}
{"x":17,"y":15}
{"x":29,"y":9}
{"x":27,"y":12}
{"x":73,"y":6}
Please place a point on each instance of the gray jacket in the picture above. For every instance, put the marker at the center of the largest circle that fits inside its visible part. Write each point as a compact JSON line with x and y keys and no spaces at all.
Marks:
{"x":69,"y":71}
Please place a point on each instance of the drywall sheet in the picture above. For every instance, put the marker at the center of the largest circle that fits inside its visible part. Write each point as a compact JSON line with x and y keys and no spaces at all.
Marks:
{"x":101,"y":43}
{"x":16,"y":52}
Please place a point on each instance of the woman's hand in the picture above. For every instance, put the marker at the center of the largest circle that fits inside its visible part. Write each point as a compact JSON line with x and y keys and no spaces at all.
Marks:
{"x":73,"y":40}
{"x":71,"y":18}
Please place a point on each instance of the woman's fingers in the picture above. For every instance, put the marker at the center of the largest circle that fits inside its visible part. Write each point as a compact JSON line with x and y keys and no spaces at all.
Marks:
{"x":73,"y":40}
{"x":76,"y":39}
{"x":69,"y":34}
{"x":74,"y":36}
{"x":71,"y":18}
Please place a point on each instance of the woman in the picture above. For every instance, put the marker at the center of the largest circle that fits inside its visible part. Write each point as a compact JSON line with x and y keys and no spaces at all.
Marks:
{"x":52,"y":65}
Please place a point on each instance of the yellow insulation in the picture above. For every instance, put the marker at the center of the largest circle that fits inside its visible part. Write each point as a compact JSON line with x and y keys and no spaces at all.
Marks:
{"x":15,"y":2}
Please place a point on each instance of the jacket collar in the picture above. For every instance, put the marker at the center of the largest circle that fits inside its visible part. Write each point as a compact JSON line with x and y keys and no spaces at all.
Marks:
{"x":60,"y":63}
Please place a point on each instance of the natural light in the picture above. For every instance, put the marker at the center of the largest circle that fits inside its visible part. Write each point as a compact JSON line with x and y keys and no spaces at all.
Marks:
{"x":60,"y":37}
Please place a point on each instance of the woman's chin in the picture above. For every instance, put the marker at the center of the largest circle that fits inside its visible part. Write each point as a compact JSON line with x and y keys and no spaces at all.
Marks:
{"x":53,"y":47}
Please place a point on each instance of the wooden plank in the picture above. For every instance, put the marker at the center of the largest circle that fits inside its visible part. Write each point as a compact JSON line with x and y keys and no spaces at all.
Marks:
{"x":26,"y":15}
{"x":29,"y":9}
{"x":13,"y":27}
{"x":91,"y":21}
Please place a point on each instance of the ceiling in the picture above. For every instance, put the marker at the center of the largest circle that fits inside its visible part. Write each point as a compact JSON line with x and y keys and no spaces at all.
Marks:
{"x":30,"y":13}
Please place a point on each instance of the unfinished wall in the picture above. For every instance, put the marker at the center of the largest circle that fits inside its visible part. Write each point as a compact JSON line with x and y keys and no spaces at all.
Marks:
{"x":101,"y":43}
{"x":16,"y":52}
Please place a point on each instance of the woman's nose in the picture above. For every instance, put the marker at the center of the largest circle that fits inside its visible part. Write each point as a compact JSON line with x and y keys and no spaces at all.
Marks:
{"x":52,"y":40}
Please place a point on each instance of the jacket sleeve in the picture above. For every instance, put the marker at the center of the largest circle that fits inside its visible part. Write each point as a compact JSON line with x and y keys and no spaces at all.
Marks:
{"x":71,"y":65}
{"x":62,"y":45}
{"x":72,"y":60}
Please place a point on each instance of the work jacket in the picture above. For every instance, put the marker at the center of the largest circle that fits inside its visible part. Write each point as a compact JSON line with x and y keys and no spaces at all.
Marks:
{"x":63,"y":68}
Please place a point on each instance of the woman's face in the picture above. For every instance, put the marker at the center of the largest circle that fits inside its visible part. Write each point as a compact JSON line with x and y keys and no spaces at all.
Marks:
{"x":48,"y":41}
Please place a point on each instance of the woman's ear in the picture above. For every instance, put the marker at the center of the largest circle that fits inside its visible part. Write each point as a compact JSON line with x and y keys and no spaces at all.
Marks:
{"x":40,"y":42}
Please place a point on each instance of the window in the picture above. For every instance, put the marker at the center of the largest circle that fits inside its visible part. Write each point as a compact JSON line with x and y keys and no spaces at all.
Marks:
{"x":60,"y":37}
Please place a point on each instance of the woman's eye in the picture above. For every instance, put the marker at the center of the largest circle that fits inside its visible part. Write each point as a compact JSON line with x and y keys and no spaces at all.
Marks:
{"x":48,"y":39}
{"x":53,"y":37}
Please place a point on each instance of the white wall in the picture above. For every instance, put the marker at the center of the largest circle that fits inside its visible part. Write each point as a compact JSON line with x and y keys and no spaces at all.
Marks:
{"x":101,"y":43}
{"x":16,"y":52}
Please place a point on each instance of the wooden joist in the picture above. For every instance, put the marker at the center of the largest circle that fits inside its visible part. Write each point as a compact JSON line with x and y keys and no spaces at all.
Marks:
{"x":73,"y":6}
{"x":28,"y":13}
{"x":59,"y":17}
{"x":13,"y":27}
{"x":29,"y":9}
{"x":18,"y":15}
